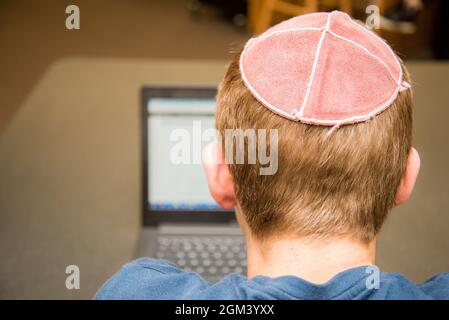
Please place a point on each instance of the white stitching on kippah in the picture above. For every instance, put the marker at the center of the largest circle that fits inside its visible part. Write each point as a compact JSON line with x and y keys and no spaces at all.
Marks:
{"x":315,"y":63}
{"x":384,"y":44}
{"x":294,"y":114}
{"x":368,"y":52}
{"x":404,"y":86}
{"x":273,"y":33}
{"x":336,"y":126}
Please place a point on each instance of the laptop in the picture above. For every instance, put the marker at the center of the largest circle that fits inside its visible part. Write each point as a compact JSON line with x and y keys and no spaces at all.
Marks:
{"x":181,"y":221}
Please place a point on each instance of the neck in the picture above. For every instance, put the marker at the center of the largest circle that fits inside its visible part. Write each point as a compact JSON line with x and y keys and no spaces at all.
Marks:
{"x":316,"y":261}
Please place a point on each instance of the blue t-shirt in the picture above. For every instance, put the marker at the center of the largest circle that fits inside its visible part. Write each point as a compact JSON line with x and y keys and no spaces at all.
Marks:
{"x":159,"y":279}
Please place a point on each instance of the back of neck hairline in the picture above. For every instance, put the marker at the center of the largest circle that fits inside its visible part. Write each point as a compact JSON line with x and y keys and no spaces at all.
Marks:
{"x":312,"y":258}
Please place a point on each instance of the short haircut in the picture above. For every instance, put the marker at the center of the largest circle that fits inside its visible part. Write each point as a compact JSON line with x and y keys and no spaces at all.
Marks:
{"x":326,"y":185}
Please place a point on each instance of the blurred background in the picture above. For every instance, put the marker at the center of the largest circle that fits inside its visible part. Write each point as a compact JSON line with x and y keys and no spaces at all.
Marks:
{"x":69,"y":125}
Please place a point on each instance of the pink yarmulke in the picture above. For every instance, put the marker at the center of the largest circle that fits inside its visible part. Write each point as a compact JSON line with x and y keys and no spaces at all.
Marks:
{"x":322,"y":68}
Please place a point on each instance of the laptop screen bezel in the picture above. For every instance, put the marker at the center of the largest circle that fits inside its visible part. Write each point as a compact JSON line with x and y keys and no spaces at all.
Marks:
{"x":151,"y":217}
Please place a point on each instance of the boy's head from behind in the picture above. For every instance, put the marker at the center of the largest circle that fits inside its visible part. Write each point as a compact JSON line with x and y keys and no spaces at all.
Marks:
{"x":329,"y":183}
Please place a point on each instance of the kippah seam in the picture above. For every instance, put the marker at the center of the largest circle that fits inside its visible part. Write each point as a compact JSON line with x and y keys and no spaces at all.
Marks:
{"x":314,"y":65}
{"x":298,"y":116}
{"x":368,"y":52}
{"x":383,"y":43}
{"x":269,"y":34}
{"x":358,"y":118}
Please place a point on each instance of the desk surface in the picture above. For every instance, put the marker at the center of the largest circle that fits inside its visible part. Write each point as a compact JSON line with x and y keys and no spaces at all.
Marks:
{"x":69,"y":168}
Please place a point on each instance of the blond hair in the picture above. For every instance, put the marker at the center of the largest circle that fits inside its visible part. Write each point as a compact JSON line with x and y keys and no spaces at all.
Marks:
{"x":326,"y":185}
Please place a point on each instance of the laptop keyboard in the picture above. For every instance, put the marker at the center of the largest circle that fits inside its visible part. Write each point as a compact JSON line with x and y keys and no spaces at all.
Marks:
{"x":211,"y":256}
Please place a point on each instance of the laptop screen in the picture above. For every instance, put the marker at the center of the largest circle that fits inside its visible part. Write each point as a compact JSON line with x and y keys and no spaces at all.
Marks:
{"x":178,"y":131}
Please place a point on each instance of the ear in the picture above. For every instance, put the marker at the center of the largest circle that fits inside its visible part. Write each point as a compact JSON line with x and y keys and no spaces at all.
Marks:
{"x":219,"y":179}
{"x":408,"y":180}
